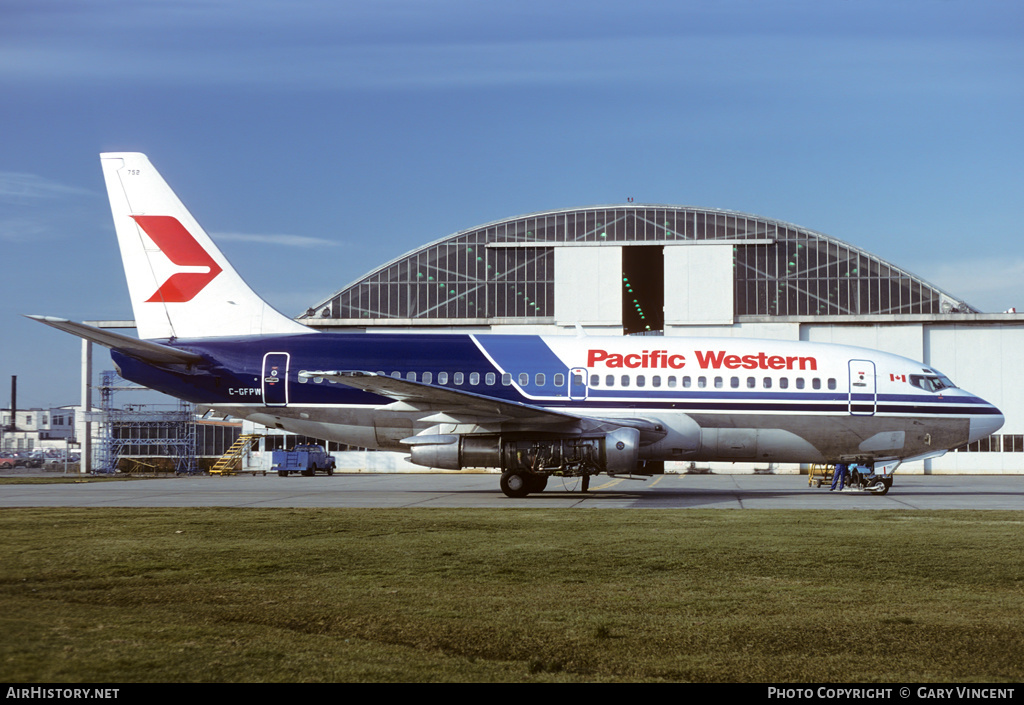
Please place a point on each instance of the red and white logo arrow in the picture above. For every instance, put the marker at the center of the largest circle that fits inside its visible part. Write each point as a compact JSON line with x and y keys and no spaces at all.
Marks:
{"x":182,"y":249}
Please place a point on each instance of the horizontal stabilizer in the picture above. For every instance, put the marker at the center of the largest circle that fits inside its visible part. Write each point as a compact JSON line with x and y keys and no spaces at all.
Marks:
{"x":141,"y":349}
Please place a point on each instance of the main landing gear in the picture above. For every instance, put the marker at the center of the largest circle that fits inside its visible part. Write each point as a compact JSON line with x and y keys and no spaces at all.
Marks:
{"x":519,"y":483}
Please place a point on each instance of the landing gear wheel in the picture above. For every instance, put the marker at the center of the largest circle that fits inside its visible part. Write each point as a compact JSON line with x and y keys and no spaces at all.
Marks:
{"x":537,"y":483}
{"x":514,"y":484}
{"x":879,"y":486}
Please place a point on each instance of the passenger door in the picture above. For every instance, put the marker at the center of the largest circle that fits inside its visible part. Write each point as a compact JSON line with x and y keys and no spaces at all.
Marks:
{"x":863,"y":392}
{"x":275,"y":379}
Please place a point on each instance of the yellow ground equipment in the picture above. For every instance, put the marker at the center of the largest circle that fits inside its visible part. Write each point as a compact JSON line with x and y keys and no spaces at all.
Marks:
{"x":228,"y":463}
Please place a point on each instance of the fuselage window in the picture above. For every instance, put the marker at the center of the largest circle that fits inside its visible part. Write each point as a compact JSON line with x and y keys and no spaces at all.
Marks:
{"x":609,"y":380}
{"x":560,"y":379}
{"x":411,"y":376}
{"x":506,"y":379}
{"x":489,"y":379}
{"x":442,"y":378}
{"x":458,"y":378}
{"x":641,"y":380}
{"x":656,"y":381}
{"x":474,"y":378}
{"x":396,"y":375}
{"x":816,"y":383}
{"x":686,"y":381}
{"x":751,"y":382}
{"x":302,"y":380}
{"x":702,"y":382}
{"x":595,"y":381}
{"x":799,"y":382}
{"x":318,"y":380}
{"x":625,"y":380}
{"x":734,"y":382}
{"x":767,"y":383}
{"x":540,"y":379}
{"x":831,"y":382}
{"x":784,"y":383}
{"x":671,"y":380}
{"x":428,"y":377}
{"x":719,"y":383}
{"x":524,"y":379}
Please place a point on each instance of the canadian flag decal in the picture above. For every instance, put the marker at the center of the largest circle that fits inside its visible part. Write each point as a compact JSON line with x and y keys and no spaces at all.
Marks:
{"x":182,"y":249}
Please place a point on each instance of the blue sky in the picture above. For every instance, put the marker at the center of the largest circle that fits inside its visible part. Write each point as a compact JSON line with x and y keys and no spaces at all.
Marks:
{"x":316,"y":140}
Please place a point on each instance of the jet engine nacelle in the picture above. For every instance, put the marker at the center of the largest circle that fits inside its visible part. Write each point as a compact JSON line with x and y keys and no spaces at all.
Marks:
{"x":613,"y":452}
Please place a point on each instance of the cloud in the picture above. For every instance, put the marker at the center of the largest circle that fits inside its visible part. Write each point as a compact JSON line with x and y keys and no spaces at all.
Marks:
{"x":282,"y":240}
{"x":19,"y":187}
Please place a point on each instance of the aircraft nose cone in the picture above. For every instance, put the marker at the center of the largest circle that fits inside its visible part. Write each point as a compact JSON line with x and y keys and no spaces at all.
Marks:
{"x":982,"y":426}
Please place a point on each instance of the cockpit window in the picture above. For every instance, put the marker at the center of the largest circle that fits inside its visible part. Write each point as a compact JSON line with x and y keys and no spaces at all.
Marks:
{"x":932,"y":383}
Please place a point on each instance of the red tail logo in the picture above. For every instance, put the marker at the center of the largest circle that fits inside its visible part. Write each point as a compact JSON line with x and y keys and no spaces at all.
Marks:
{"x":181,"y":248}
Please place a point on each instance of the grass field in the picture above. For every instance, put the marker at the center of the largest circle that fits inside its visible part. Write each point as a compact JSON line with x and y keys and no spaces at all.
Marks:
{"x":245,"y":595}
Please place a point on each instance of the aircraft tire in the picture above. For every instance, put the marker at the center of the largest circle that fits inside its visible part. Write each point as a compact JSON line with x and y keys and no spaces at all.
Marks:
{"x":879,"y":483}
{"x":282,"y":473}
{"x":515,"y":484}
{"x":537,"y":483}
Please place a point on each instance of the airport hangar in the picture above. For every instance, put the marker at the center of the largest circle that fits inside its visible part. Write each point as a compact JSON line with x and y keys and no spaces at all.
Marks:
{"x":685,"y":271}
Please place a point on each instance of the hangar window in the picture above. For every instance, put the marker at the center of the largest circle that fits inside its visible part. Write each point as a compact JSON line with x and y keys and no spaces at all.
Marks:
{"x":1013,"y":443}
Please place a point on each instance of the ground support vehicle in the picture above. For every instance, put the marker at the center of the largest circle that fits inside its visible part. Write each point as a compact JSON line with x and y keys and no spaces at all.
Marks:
{"x":306,"y":459}
{"x":858,"y":477}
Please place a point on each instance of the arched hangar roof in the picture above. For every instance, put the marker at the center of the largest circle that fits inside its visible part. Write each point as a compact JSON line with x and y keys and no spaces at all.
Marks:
{"x":504,"y":271}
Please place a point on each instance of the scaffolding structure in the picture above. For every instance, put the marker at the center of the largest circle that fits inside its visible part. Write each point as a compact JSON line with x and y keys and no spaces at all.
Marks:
{"x":144,"y":430}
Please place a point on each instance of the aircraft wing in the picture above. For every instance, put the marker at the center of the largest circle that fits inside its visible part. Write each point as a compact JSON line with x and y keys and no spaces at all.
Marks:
{"x":145,"y":350}
{"x":454,"y":403}
{"x":457,"y":406}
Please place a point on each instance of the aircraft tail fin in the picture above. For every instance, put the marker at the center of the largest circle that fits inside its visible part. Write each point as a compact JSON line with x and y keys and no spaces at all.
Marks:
{"x":180,"y":283}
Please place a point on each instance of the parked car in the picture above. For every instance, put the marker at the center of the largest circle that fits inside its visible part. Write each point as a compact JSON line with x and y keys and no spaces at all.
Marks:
{"x":7,"y":461}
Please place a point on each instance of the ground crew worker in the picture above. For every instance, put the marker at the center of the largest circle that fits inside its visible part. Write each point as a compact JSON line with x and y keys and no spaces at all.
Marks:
{"x":840,"y":476}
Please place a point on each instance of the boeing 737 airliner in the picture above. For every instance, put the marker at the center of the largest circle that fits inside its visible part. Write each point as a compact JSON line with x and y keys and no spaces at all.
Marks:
{"x":532,"y":406}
